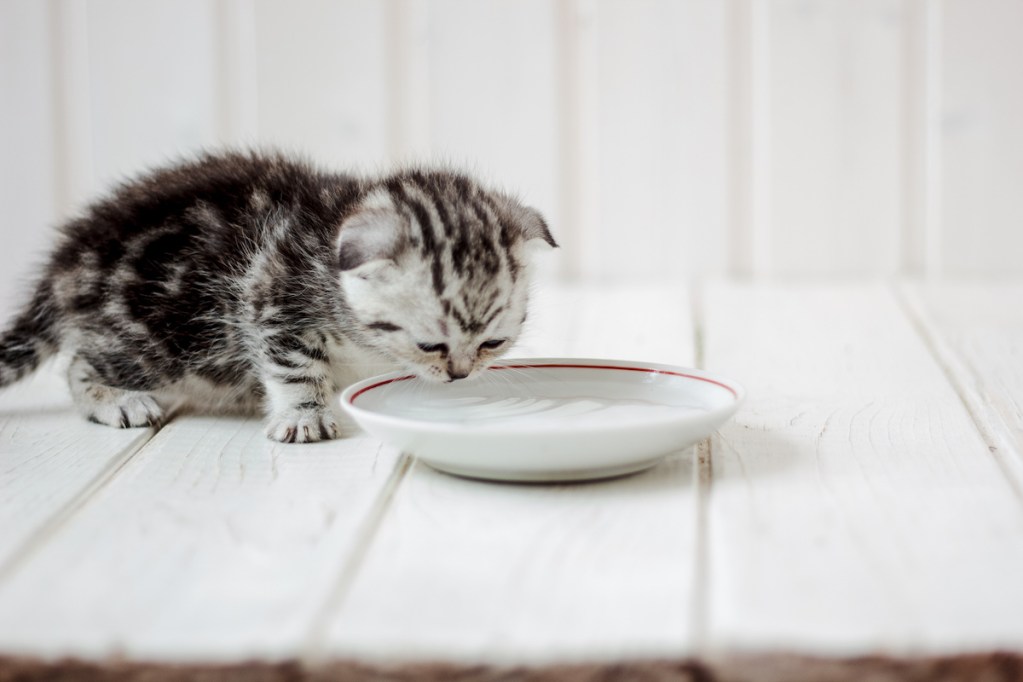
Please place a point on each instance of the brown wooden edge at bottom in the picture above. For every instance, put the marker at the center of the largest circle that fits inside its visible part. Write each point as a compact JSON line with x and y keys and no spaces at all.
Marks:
{"x":989,"y":667}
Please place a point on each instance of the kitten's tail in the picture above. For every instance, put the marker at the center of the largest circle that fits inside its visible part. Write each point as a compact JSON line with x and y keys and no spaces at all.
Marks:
{"x":30,"y":338}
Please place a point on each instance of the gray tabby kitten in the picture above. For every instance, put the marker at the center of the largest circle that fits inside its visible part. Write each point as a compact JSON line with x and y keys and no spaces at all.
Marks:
{"x":246,"y":281}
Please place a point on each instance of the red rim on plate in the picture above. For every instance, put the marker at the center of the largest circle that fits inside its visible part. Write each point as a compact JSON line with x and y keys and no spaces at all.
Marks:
{"x":650,"y":370}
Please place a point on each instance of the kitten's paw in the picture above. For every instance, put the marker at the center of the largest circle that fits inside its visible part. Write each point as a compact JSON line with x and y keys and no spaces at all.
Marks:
{"x":303,"y":425}
{"x":122,"y":409}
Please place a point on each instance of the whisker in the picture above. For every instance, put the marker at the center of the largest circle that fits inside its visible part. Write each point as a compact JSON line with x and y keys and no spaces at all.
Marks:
{"x":509,"y":372}
{"x":516,"y":380}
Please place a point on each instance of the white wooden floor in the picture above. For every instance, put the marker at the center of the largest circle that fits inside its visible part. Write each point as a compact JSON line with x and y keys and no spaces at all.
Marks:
{"x":865,"y":507}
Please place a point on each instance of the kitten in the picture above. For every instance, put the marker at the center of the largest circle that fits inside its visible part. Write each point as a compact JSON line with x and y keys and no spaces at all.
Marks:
{"x":241,"y":281}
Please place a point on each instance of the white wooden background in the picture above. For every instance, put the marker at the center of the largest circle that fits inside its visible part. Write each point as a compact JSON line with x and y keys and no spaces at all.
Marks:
{"x":662,"y":137}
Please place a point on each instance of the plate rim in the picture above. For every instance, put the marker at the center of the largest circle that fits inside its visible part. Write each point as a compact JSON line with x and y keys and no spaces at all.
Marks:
{"x":353,"y":391}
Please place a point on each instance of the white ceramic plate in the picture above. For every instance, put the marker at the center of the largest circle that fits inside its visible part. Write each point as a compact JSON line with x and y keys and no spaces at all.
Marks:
{"x":546,"y":419}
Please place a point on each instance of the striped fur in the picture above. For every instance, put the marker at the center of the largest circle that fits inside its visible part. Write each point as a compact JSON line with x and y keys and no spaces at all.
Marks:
{"x":246,"y":281}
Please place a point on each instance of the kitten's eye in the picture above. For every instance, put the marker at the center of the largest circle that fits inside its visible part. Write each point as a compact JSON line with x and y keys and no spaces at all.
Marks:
{"x":441,"y":348}
{"x":384,"y":326}
{"x":492,"y":344}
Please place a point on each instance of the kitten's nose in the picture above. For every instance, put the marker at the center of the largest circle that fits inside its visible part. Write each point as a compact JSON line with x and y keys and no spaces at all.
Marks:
{"x":459,"y":368}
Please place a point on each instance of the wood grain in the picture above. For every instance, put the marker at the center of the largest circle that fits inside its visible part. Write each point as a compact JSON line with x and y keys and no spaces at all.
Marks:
{"x":212,"y":543}
{"x":854,"y":507}
{"x":462,"y":570}
{"x":853,"y":521}
{"x":976,"y":331}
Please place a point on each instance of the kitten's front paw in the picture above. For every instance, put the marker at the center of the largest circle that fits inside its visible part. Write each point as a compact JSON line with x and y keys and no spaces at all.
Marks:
{"x":122,"y":409}
{"x":303,"y":425}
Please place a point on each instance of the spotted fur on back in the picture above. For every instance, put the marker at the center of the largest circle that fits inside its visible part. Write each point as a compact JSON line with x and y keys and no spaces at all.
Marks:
{"x":240,"y":281}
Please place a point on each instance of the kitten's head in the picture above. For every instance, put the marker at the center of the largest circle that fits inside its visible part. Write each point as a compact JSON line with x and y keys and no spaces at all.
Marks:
{"x":434,"y":270}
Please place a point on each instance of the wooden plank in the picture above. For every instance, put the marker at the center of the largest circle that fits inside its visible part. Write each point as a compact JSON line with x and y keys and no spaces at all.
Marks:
{"x":495,"y":115}
{"x":576,"y":59}
{"x":51,"y":461}
{"x":407,"y":56}
{"x":321,"y":84}
{"x":982,"y":142}
{"x":469,"y":571}
{"x":661,"y":140}
{"x":854,"y":508}
{"x":27,"y":186}
{"x":749,"y":140}
{"x":976,"y":331}
{"x":237,"y":72}
{"x":211,"y":544}
{"x":75,"y":167}
{"x":635,"y":322}
{"x":152,"y":93}
{"x":835,"y":154}
{"x":921,"y":138}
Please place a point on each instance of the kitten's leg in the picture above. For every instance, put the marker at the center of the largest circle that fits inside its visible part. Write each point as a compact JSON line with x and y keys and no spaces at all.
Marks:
{"x":108,"y":405}
{"x":299,"y":392}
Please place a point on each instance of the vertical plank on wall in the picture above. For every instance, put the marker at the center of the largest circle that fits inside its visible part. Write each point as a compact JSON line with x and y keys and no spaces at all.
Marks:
{"x":835,"y":121}
{"x":662,"y":139}
{"x":981,"y":136}
{"x":237,"y":120}
{"x":322,"y":80}
{"x":576,"y":56}
{"x":492,"y":97}
{"x":152,"y":82}
{"x":74,"y":138}
{"x":920,"y":252}
{"x":27,"y":149}
{"x":748,"y":141}
{"x":407,"y":62}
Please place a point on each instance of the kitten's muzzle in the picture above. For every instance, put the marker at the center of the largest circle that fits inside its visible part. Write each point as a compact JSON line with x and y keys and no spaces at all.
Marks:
{"x":459,"y":366}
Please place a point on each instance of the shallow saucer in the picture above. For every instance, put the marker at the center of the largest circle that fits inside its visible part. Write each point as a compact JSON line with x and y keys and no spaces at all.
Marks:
{"x":546,"y":419}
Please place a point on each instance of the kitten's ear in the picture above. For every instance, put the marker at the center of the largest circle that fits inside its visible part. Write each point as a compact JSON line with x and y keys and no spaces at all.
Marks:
{"x":533,"y":225}
{"x":369,"y":237}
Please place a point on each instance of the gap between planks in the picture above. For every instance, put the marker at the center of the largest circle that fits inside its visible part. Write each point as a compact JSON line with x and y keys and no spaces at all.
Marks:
{"x":335,"y":598}
{"x":1004,"y":452}
{"x":865,"y":532}
{"x":315,"y":652}
{"x":67,"y":511}
{"x":528,"y":539}
{"x":702,"y":480}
